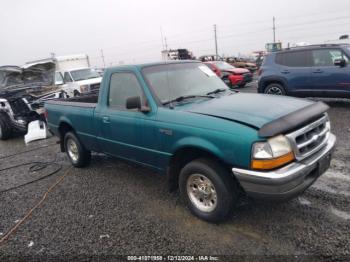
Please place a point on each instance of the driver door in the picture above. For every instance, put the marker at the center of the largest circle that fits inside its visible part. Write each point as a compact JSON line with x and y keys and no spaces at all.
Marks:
{"x":122,"y":130}
{"x":327,"y":78}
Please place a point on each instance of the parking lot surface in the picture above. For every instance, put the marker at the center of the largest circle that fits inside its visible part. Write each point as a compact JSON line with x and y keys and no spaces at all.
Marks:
{"x":112,"y":207}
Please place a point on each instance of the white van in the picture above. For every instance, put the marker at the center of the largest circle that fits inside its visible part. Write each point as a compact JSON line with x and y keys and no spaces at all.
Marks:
{"x":75,"y":75}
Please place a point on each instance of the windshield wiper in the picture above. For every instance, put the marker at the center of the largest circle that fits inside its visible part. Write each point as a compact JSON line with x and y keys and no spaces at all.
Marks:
{"x":181,"y":98}
{"x":217,"y":91}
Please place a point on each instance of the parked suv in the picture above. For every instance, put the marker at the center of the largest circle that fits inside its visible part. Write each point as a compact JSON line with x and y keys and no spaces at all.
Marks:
{"x":310,"y":71}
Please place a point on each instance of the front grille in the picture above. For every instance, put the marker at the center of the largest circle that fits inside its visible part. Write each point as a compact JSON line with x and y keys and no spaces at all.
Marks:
{"x":94,"y":87}
{"x":310,"y":138}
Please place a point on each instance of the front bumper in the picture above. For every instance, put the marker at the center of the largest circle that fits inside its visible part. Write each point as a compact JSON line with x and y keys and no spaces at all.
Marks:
{"x":289,"y":181}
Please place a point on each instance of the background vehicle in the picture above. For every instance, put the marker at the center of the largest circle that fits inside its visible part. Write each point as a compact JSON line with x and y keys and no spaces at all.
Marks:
{"x":74,"y":74}
{"x":177,"y":54}
{"x":211,"y":142}
{"x":23,"y":91}
{"x":317,"y":70}
{"x":241,"y":63}
{"x":232,"y":76}
{"x":77,"y":76}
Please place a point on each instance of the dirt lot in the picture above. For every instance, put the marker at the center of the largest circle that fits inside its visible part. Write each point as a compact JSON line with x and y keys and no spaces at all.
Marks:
{"x":115,"y":208}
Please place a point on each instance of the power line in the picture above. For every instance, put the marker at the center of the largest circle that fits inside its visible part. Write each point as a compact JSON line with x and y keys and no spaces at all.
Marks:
{"x":150,"y":42}
{"x":315,"y":21}
{"x":263,"y":30}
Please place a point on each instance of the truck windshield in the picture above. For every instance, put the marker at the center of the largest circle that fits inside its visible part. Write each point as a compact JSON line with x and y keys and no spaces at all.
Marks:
{"x":83,"y":74}
{"x":224,"y":66}
{"x":171,"y":81}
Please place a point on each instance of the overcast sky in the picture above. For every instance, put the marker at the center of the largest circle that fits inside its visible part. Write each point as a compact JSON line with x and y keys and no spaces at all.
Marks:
{"x":129,"y":31}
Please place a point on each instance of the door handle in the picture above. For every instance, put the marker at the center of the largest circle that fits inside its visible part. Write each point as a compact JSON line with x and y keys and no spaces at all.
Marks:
{"x":105,"y":119}
{"x":318,"y":71}
{"x":285,"y":72}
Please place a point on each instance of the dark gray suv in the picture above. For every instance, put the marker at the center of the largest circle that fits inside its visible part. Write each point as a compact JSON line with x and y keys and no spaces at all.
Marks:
{"x":310,"y":71}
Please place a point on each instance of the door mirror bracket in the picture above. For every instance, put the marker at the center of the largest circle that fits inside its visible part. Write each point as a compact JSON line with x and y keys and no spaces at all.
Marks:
{"x":134,"y":102}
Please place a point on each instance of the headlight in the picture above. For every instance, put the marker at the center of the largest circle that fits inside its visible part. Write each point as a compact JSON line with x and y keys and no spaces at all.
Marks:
{"x":84,"y":88}
{"x":271,"y":154}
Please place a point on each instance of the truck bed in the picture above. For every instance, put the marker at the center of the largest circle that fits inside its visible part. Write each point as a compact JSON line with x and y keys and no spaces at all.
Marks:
{"x":82,"y":101}
{"x":78,"y":112}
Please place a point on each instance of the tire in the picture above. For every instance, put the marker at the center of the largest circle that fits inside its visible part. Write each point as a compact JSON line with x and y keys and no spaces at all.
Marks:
{"x":275,"y":89}
{"x":5,"y":127}
{"x":242,"y":85}
{"x":76,"y":93}
{"x":220,"y":195}
{"x":76,"y":152}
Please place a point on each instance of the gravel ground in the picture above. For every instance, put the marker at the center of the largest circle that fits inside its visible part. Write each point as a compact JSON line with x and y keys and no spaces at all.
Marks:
{"x":114,"y":208}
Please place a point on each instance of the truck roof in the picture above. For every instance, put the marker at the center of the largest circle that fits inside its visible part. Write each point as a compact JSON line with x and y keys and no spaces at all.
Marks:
{"x":141,"y":66}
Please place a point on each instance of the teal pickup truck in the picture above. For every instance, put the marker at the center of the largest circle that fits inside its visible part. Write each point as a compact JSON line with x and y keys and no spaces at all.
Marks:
{"x":214,"y":144}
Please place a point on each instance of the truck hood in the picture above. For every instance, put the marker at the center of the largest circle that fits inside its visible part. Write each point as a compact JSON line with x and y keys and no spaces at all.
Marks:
{"x":31,"y":80}
{"x":38,"y":74}
{"x":255,"y":110}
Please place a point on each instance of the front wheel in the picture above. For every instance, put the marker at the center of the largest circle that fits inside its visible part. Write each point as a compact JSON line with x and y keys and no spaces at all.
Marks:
{"x":76,"y":152}
{"x":275,"y":89}
{"x":208,"y":190}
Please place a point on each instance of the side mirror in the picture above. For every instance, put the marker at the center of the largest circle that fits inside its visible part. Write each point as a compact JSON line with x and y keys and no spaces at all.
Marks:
{"x":340,"y":62}
{"x":58,"y":83}
{"x":134,"y":102}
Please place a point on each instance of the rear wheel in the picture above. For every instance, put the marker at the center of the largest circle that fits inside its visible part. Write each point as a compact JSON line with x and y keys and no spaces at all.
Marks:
{"x":76,"y":152}
{"x":208,"y":190}
{"x":5,"y":127}
{"x":275,"y":89}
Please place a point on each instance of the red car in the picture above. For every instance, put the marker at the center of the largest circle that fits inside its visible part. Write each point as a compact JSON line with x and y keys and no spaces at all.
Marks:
{"x":232,"y":76}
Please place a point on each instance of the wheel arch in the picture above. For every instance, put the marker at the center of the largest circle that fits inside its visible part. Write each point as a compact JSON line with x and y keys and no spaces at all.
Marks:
{"x":185,"y":154}
{"x":63,"y":128}
{"x":270,"y":81}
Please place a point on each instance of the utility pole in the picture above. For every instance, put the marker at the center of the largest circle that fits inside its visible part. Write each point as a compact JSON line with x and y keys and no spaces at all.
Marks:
{"x":103,"y":59}
{"x":274,"y":29}
{"x":216,"y":42}
{"x":166,"y":44}
{"x":161,"y":35}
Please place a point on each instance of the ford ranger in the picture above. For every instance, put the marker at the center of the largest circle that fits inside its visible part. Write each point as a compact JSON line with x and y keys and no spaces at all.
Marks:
{"x":214,"y":144}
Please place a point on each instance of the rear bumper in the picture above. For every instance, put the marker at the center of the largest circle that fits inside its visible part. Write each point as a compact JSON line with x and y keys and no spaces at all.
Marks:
{"x":289,"y":181}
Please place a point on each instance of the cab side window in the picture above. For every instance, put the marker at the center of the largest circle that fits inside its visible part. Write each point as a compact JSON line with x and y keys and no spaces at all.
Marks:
{"x":67,"y":77}
{"x":122,"y":86}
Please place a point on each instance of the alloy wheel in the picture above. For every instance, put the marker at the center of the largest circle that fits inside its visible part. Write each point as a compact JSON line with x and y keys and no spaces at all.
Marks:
{"x":201,"y":192}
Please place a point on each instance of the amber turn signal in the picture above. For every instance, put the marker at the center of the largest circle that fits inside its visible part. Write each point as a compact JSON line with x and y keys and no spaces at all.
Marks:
{"x":268,"y":164}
